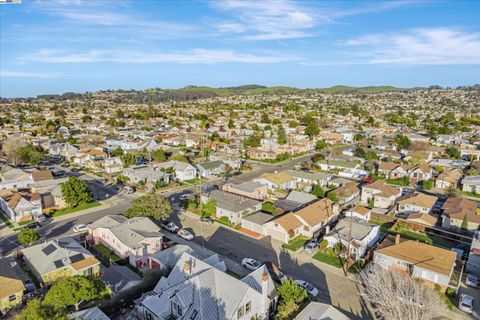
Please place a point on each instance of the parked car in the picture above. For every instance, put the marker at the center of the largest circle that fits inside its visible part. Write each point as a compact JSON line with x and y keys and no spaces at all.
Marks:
{"x":206,"y":220}
{"x":80,"y":228}
{"x":367,"y":180}
{"x":471,"y":281}
{"x":185,"y":234}
{"x":275,"y":272}
{"x":466,"y":303}
{"x":170,"y":226}
{"x":32,"y":225}
{"x":311,"y":246}
{"x":128,"y":190}
{"x":251,"y":264}
{"x":307,"y":286}
{"x":184,"y":197}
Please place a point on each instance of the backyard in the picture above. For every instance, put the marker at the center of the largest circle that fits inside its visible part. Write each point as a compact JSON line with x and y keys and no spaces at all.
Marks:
{"x":75,"y":209}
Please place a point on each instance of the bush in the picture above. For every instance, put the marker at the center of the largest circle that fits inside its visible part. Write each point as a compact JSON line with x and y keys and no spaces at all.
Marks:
{"x":427,"y":184}
{"x":268,"y":207}
{"x":224,"y":220}
{"x":323,"y":245}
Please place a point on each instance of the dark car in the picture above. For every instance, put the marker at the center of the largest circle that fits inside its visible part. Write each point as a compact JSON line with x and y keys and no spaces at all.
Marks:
{"x":276,"y":274}
{"x":32,"y":225}
{"x":206,"y":220}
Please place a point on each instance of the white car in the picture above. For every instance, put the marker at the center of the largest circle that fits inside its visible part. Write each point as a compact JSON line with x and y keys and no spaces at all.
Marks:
{"x":184,"y":197}
{"x":172,"y":227}
{"x":466,"y":303}
{"x":185,"y":234}
{"x":471,"y":281}
{"x":307,"y":286}
{"x":80,"y":228}
{"x":251,"y":264}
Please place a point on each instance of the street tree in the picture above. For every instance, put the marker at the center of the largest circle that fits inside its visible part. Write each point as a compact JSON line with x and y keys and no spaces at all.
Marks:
{"x":320,"y":145}
{"x":312,"y":129}
{"x":396,"y":295}
{"x":75,"y":192}
{"x":11,"y":147}
{"x":402,"y":141}
{"x":27,"y":236}
{"x":209,"y":209}
{"x":30,"y":154}
{"x":150,"y":205}
{"x":453,"y":152}
{"x":290,"y":296}
{"x":281,"y":135}
{"x":159,"y":155}
{"x":71,"y":291}
{"x":128,"y":160}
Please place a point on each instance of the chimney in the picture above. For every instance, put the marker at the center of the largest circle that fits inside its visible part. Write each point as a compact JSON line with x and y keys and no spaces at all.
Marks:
{"x":266,"y":300}
{"x":397,"y":239}
{"x":186,"y":267}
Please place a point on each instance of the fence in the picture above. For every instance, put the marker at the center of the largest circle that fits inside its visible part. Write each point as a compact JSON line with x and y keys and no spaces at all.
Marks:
{"x":382,"y":217}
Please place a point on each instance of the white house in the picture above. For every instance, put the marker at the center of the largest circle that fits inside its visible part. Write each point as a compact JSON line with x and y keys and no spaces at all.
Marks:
{"x":21,"y":206}
{"x":382,"y":195}
{"x":276,"y":181}
{"x":359,"y":212}
{"x":232,"y":205}
{"x":471,"y":184}
{"x":361,"y":235}
{"x":416,"y":202}
{"x":182,"y":170}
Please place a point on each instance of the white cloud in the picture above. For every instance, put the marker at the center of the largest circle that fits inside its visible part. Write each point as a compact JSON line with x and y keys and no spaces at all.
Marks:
{"x":426,"y":46}
{"x":195,"y":56}
{"x":21,"y":74}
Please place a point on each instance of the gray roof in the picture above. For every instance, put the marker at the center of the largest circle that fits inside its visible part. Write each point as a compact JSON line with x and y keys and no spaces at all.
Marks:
{"x":320,"y":311}
{"x":117,"y":277}
{"x":130,"y":232}
{"x":360,"y":229}
{"x":205,"y":290}
{"x":232,"y":202}
{"x":258,"y":218}
{"x":55,"y":254}
{"x":89,"y":314}
{"x":309,"y":175}
{"x":210,"y":164}
{"x":177,"y":165}
{"x":300,"y":197}
{"x":471,"y":180}
{"x":248,"y":186}
{"x":170,"y":256}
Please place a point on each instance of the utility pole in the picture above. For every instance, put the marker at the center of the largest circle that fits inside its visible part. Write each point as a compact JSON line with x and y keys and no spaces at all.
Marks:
{"x":349,"y":239}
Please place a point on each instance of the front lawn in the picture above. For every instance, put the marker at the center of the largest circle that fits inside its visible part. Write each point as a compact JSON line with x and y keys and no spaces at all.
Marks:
{"x":106,"y":253}
{"x":79,"y":208}
{"x":328,"y":258}
{"x":295,"y":243}
{"x":22,"y":223}
{"x":470,"y":194}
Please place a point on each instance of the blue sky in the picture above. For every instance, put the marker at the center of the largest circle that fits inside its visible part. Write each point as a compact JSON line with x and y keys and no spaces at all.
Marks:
{"x":54,"y":46}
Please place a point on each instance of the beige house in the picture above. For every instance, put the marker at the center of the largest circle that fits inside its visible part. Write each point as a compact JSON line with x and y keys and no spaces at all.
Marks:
{"x":416,"y":202}
{"x":347,"y":192}
{"x":458,"y":210}
{"x":249,"y":189}
{"x":11,"y":284}
{"x":383,"y":195}
{"x":448,"y":179}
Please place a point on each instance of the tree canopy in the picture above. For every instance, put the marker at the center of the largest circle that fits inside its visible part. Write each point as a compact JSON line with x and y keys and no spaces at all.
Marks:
{"x":150,"y":205}
{"x":290,"y":296}
{"x":27,"y":236}
{"x":75,"y":192}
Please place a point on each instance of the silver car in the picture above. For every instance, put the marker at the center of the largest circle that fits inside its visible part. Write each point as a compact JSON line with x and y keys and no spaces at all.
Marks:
{"x":466,"y":303}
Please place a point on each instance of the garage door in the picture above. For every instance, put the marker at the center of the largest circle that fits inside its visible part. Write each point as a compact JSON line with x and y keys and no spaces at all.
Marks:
{"x":252,"y":226}
{"x":275,"y":234}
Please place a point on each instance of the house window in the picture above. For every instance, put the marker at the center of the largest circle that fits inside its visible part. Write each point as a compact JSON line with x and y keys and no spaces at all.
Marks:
{"x":194,"y":315}
{"x":248,"y":307}
{"x":148,"y":315}
{"x":12,"y":298}
{"x":88,"y":272}
{"x":240,"y":312}
{"x":402,"y":263}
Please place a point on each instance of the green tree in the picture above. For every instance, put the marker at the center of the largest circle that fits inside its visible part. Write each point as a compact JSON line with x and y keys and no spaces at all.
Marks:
{"x":128,"y":160}
{"x":209,"y":209}
{"x":402,"y":141}
{"x":292,"y":124}
{"x":71,"y":291}
{"x":75,"y":192}
{"x":332,"y":196}
{"x":87,"y":119}
{"x":265,"y":118}
{"x":150,"y":205}
{"x":318,"y":191}
{"x":453,"y":152}
{"x":36,"y":310}
{"x":27,"y":236}
{"x":312,"y":129}
{"x":281,"y":135}
{"x":159,"y":155}
{"x":359,"y":152}
{"x":117,"y":152}
{"x":320,"y":145}
{"x":290,"y":296}
{"x":231,"y":125}
{"x":427,"y":184}
{"x":268,"y":207}
{"x":370,"y":155}
{"x":30,"y":154}
{"x":464,"y":223}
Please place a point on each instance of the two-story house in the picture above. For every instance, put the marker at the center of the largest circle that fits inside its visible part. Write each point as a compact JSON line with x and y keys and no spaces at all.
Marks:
{"x":21,"y":205}
{"x":380,"y":194}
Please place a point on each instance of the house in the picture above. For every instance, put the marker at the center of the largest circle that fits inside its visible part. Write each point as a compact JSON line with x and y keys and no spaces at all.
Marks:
{"x":448,"y":179}
{"x":380,"y":194}
{"x":113,"y":165}
{"x":416,"y":202}
{"x":421,"y":173}
{"x":166,"y":259}
{"x":359,"y":212}
{"x":41,"y":175}
{"x":256,"y":222}
{"x":249,"y":189}
{"x":14,"y":178}
{"x":196,"y":288}
{"x":311,"y":178}
{"x":233,"y":161}
{"x":134,"y":238}
{"x":460,"y":213}
{"x":422,"y":218}
{"x":210,"y":169}
{"x":473,"y":261}
{"x":360,"y":234}
{"x":471,"y":184}
{"x":183,"y":171}
{"x":146,"y":175}
{"x":55,"y":259}
{"x":91,"y":158}
{"x":295,"y":200}
{"x":21,"y":205}
{"x":320,"y":311}
{"x":51,"y":193}
{"x":277,"y":180}
{"x":94,"y":313}
{"x":449,"y":163}
{"x":231,"y":205}
{"x":11,"y":284}
{"x":306,"y":221}
{"x":432,"y":264}
{"x":347,"y":192}
{"x":386,"y":168}
{"x":64,"y":149}
{"x":344,"y":168}
{"x":119,"y":278}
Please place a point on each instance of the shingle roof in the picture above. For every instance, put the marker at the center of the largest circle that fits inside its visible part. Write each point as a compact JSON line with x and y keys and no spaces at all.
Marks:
{"x":277,"y":178}
{"x":385,"y":190}
{"x":419,"y":199}
{"x":232,"y":202}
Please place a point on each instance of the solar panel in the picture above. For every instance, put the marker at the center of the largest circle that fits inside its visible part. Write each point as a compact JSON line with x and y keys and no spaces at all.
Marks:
{"x":49,"y":249}
{"x":58,"y":263}
{"x":76,"y":258}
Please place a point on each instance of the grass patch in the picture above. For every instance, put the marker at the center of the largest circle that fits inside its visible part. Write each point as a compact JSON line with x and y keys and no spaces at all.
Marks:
{"x":22,"y":223}
{"x":295,"y":243}
{"x":234,"y":274}
{"x":470,"y":194}
{"x":328,"y":259}
{"x":409,"y":234}
{"x":226,"y":222}
{"x":106,"y":253}
{"x":79,"y":208}
{"x":403,"y":182}
{"x":6,"y":221}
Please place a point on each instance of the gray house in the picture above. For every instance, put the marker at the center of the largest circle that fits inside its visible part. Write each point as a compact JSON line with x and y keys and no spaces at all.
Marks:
{"x":211,"y":168}
{"x":147,"y":175}
{"x":231,"y":205}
